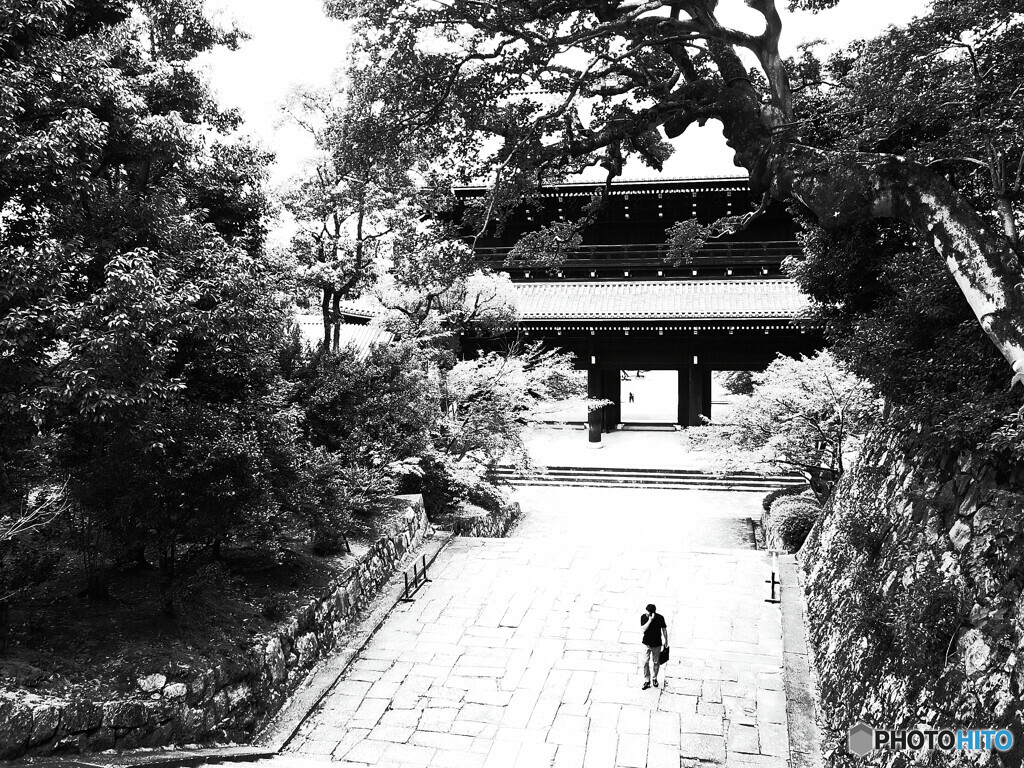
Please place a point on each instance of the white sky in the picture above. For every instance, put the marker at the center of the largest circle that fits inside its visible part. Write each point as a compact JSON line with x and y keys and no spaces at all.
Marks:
{"x":294,"y":43}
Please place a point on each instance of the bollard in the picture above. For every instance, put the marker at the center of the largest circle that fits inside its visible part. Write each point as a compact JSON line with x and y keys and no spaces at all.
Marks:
{"x":425,"y":579}
{"x":774,"y":580}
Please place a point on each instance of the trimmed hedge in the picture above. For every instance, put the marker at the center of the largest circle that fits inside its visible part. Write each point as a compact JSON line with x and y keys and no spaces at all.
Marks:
{"x":787,"y":490}
{"x":790,"y":520}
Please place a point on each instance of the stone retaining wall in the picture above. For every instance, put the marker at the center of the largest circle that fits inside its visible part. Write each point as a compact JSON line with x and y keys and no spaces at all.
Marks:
{"x":914,"y":590}
{"x":223,"y":703}
{"x":476,"y":521}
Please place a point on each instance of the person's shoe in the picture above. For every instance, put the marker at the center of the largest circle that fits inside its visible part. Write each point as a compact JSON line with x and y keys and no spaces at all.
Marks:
{"x":646,"y":686}
{"x":655,"y":683}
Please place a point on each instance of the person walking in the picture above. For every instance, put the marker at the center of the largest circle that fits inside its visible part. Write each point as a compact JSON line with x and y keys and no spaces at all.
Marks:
{"x":655,"y":630}
{"x":631,"y":397}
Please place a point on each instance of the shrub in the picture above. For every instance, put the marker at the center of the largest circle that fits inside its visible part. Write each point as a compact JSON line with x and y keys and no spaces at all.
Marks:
{"x":738,"y":382}
{"x":791,"y":520}
{"x":443,"y":490}
{"x":448,"y":485}
{"x":788,"y":490}
{"x":486,"y":495}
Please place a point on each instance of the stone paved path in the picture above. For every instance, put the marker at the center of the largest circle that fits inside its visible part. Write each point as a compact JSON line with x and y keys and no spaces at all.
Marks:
{"x":523,"y":652}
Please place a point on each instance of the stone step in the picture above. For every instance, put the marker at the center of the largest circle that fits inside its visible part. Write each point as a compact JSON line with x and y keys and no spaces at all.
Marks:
{"x":659,"y":471}
{"x":660,"y":487}
{"x":664,"y":479}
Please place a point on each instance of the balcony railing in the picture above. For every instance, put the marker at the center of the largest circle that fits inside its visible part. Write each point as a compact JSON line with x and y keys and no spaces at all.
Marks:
{"x":656,"y":254}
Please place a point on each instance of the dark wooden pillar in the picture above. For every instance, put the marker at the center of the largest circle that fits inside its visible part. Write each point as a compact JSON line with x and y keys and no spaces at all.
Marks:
{"x":683,"y":404}
{"x":611,"y":387}
{"x":595,"y":418}
{"x":705,"y":392}
{"x":696,"y":389}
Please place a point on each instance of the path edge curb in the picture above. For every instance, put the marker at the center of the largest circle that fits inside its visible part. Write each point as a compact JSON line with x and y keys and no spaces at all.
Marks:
{"x":801,"y":711}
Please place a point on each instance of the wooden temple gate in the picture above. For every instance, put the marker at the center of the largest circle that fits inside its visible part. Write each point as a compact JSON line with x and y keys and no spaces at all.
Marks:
{"x":618,"y":304}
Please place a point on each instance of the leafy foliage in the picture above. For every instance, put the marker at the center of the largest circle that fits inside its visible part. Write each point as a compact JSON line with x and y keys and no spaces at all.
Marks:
{"x":738,"y":382}
{"x":791,"y":520}
{"x":895,"y":318}
{"x":685,"y":238}
{"x":374,"y":409}
{"x":435,"y":290}
{"x":809,"y":414}
{"x":139,"y":342}
{"x":944,"y":90}
{"x":778,"y":493}
{"x":487,"y":400}
{"x":547,"y":246}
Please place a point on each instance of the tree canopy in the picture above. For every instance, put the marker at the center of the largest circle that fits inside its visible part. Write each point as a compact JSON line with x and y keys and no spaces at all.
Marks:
{"x":534,"y":90}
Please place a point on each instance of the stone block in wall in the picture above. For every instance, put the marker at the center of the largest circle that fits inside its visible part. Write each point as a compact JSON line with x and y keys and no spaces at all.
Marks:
{"x":102,"y":739}
{"x":175,"y":691}
{"x":125,"y":714}
{"x":45,"y":720}
{"x":80,"y":716}
{"x":274,"y":659}
{"x":306,"y":648}
{"x":15,"y":726}
{"x":474,"y":521}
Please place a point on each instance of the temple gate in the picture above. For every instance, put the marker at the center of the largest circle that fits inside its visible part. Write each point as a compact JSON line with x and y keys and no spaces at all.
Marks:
{"x":618,"y":303}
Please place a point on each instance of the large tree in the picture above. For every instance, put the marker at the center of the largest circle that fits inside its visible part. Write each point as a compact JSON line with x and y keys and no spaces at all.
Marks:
{"x":541,"y":88}
{"x":366,"y":189}
{"x":138,"y":325}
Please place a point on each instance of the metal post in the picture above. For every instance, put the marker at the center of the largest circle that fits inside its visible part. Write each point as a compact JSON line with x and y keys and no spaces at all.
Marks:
{"x":774,"y":580}
{"x":406,"y":577}
{"x":425,"y":579}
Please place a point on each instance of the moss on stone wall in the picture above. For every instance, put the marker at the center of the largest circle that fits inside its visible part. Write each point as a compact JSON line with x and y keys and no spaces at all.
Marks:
{"x":914,"y":590}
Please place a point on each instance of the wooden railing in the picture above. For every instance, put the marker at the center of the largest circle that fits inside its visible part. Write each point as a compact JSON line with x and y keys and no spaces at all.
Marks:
{"x":656,"y":254}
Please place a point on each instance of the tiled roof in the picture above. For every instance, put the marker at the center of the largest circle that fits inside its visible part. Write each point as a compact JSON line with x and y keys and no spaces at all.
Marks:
{"x":661,"y":300}
{"x":356,"y":309}
{"x":362,"y":337}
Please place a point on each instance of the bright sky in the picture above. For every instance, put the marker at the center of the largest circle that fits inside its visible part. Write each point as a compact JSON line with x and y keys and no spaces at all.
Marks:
{"x":294,"y":43}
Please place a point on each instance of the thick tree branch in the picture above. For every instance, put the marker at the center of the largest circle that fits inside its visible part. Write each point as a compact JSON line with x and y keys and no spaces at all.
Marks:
{"x":845,"y":188}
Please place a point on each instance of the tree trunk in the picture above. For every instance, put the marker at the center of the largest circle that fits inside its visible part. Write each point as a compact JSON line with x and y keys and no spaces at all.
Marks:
{"x":168,"y":555}
{"x":1005,"y":208}
{"x":336,"y":307}
{"x":96,"y":583}
{"x":325,"y":307}
{"x":843,"y":188}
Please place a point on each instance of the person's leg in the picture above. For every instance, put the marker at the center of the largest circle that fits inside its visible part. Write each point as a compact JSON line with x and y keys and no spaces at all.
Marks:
{"x":647,"y":659}
{"x":655,"y":655}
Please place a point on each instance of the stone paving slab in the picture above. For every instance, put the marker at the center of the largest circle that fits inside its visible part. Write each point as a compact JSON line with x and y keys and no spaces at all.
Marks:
{"x":525,"y":651}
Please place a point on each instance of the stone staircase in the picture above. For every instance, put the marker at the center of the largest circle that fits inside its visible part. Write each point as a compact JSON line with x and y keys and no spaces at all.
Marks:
{"x":668,"y":479}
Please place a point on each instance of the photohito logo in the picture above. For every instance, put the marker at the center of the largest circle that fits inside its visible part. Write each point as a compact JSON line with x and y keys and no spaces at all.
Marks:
{"x":862,"y":738}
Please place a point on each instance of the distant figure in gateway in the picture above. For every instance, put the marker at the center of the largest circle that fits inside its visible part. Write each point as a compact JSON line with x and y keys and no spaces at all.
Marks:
{"x":631,"y":397}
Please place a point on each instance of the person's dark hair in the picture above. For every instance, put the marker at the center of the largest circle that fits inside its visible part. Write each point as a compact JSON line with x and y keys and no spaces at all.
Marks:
{"x":651,"y":608}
